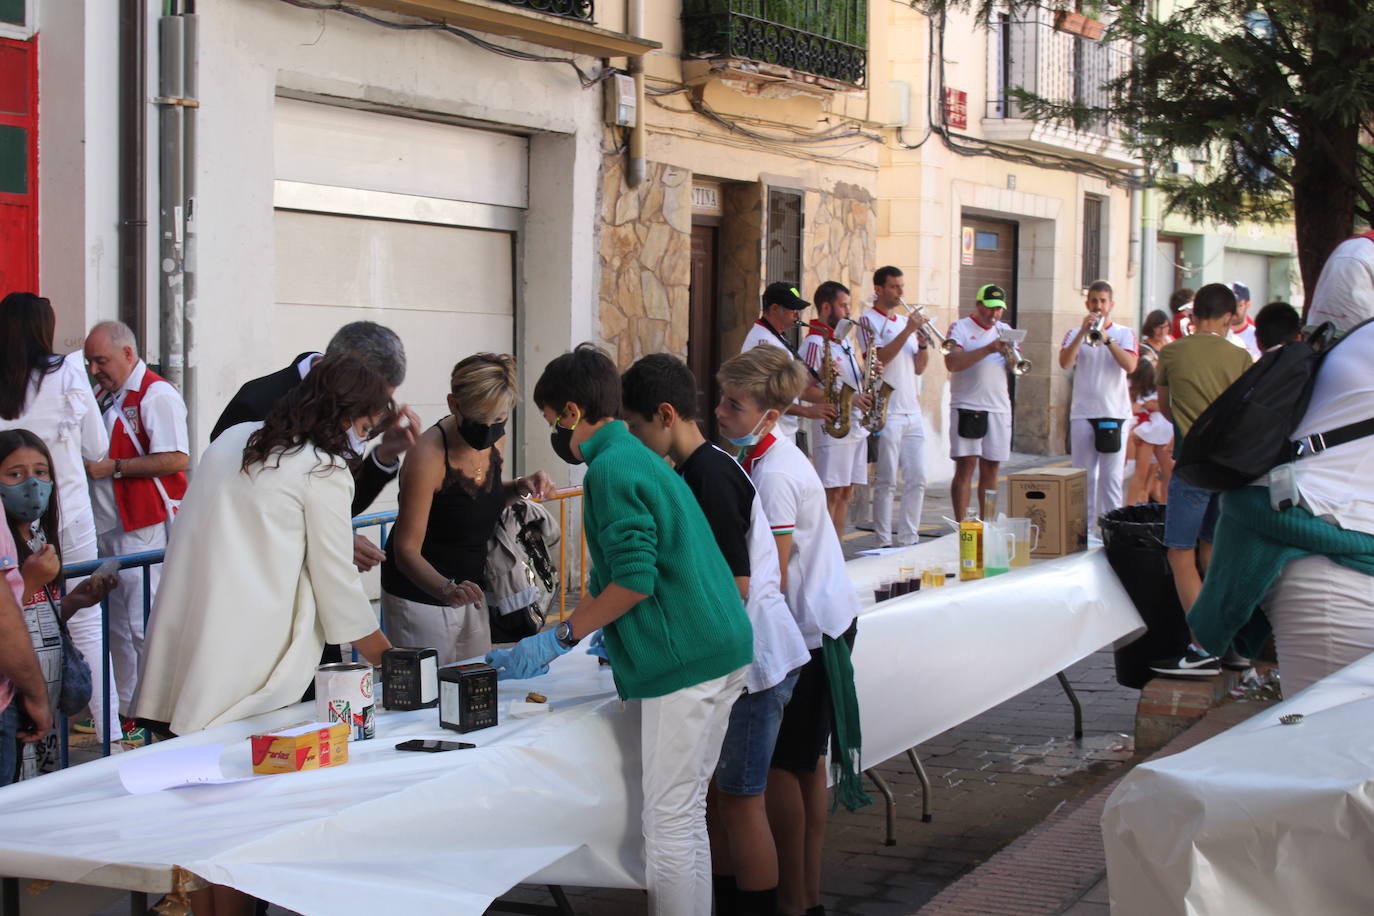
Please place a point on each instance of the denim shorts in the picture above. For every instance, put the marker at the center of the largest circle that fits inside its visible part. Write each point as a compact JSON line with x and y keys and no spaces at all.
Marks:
{"x":749,"y":739}
{"x":1190,"y":516}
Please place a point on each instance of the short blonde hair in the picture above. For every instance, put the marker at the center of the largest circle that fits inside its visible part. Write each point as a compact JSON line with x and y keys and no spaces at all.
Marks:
{"x":484,"y":385}
{"x":770,"y":375}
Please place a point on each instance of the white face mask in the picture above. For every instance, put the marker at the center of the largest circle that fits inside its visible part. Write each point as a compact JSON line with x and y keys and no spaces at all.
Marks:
{"x":357,"y":444}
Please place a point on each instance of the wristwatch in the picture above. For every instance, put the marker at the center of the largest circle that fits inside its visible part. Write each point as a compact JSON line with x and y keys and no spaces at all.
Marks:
{"x":119,"y":469}
{"x":564,"y":634}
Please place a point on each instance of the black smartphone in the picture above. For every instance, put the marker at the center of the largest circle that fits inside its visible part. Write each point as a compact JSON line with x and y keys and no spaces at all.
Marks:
{"x":431,"y":746}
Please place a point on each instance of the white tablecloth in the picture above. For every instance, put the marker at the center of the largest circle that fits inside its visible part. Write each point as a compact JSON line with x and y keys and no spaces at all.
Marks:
{"x":1263,"y":818}
{"x":554,"y":799}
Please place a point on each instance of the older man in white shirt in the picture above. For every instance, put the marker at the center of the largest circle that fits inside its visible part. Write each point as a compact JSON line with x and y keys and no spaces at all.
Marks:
{"x":136,"y":490}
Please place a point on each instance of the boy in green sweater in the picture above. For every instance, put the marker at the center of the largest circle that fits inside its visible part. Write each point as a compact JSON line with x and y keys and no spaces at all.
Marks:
{"x":674,"y":625}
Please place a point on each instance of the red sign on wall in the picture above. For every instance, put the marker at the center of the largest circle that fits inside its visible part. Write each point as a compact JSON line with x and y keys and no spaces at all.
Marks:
{"x":956,"y":108}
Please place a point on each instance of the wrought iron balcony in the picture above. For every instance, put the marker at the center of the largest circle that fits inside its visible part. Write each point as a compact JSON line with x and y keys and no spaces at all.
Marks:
{"x":583,"y":10}
{"x":828,"y":38}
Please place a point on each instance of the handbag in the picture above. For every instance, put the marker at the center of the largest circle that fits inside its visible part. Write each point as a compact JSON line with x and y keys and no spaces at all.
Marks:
{"x":973,"y":424}
{"x":521,"y":578}
{"x":76,"y":686}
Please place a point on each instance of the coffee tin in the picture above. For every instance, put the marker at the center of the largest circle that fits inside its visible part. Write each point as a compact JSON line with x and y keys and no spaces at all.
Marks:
{"x":343,"y":693}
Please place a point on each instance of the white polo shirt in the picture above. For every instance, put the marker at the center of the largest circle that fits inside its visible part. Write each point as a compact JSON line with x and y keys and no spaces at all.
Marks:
{"x":761,"y":335}
{"x":819,"y":592}
{"x":163,"y":414}
{"x":900,"y":370}
{"x":1338,"y":483}
{"x":1245,"y":337}
{"x":982,"y":386}
{"x":1100,"y":388}
{"x":847,"y":372}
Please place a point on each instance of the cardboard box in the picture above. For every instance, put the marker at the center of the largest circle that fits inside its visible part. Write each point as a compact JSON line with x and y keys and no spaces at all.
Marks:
{"x":1055,"y":500}
{"x":305,"y":747}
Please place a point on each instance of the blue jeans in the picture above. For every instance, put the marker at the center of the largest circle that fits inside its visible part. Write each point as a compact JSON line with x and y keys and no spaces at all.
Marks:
{"x":748,"y":748}
{"x":9,"y":742}
{"x":1190,"y":516}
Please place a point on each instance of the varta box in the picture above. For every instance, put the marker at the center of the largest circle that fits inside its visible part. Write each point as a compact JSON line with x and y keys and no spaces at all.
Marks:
{"x":1055,"y":500}
{"x":305,"y":747}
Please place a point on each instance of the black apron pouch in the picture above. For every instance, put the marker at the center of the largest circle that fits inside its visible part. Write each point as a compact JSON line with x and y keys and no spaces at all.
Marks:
{"x":1107,"y":435}
{"x":973,"y":424}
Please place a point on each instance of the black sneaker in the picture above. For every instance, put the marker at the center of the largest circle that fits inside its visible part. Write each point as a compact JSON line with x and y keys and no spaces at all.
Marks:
{"x":1193,"y":663}
{"x":1234,"y":660}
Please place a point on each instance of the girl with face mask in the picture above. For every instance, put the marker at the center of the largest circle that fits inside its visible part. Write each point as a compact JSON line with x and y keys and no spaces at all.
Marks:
{"x":28,"y":493}
{"x":452,"y":496}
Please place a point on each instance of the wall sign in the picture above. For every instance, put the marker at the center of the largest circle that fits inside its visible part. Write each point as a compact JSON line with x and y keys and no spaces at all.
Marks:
{"x":956,"y":108}
{"x":967,"y":239}
{"x":706,"y":198}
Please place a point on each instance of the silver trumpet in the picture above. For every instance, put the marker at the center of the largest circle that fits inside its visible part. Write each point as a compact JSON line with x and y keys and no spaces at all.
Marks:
{"x":1095,"y":336}
{"x":928,"y":330}
{"x":1018,"y":365}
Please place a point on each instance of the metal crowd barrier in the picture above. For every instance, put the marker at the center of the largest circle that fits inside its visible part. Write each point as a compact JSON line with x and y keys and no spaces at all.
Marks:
{"x":382,"y":520}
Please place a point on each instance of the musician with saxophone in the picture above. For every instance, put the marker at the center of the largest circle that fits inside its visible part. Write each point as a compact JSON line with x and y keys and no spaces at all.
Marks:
{"x":900,"y":341}
{"x":839,"y":446}
{"x":1101,"y":354}
{"x":979,"y":402}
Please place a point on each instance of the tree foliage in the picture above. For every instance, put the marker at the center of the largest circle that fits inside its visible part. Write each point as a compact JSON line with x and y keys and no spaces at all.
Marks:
{"x":1275,"y":98}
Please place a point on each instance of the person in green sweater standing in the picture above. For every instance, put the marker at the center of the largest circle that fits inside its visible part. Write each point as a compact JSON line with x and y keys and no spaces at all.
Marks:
{"x":675,"y":628}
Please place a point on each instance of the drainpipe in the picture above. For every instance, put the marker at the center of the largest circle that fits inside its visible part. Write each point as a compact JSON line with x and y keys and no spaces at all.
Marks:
{"x":1133,"y":258}
{"x":133,"y":213}
{"x":191,"y":90}
{"x":635,"y":173}
{"x":171,"y":201}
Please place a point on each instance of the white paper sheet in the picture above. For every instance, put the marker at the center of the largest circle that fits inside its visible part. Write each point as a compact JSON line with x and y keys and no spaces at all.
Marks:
{"x":174,"y":768}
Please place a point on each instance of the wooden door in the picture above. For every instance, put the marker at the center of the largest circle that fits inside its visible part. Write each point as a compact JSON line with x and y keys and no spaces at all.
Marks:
{"x":994,"y":261}
{"x":703,"y":345}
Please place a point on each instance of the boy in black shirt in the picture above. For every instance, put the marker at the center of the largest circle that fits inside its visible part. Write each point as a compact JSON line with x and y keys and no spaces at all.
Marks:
{"x":659,"y":396}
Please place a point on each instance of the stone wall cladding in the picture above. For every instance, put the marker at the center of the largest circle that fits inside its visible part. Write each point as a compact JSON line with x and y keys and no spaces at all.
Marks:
{"x":840,"y":240}
{"x":646,"y":260}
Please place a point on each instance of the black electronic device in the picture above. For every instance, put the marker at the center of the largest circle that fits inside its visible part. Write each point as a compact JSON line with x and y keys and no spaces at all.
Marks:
{"x":432,"y":746}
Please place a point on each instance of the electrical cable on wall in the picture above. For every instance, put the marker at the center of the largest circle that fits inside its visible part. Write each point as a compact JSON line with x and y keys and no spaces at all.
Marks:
{"x":429,"y":25}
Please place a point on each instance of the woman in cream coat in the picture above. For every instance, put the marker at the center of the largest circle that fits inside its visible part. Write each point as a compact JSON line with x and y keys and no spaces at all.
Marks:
{"x":259,"y":572}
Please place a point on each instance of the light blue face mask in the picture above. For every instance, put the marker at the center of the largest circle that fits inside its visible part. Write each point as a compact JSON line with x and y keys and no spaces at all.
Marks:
{"x":26,"y":500}
{"x":751,"y":438}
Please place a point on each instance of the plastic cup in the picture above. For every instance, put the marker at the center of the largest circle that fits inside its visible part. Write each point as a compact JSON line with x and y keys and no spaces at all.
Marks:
{"x":1025,"y":538}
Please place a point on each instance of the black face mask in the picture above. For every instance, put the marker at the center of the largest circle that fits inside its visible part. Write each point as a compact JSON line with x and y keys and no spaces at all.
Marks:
{"x":561,"y":440}
{"x":481,"y":435}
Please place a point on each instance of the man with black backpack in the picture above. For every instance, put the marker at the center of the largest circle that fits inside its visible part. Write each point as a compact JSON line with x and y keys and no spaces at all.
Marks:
{"x":1192,"y":373}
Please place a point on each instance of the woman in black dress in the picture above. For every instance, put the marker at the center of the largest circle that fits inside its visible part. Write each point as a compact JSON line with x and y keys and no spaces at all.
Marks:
{"x":452,"y":495}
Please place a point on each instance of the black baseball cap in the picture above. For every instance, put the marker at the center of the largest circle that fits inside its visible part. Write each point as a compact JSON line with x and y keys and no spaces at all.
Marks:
{"x":785,"y":295}
{"x":992,"y":296}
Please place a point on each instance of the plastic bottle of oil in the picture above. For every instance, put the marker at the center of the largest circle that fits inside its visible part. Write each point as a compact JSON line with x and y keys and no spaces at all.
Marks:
{"x":970,"y":547}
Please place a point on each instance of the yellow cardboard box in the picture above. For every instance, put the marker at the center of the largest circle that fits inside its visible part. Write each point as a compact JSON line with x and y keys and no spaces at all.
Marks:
{"x":304,"y":747}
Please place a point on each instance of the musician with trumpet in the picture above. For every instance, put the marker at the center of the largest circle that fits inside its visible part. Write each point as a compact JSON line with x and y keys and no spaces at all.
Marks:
{"x":839,"y":445}
{"x":899,"y":338}
{"x":979,"y":400}
{"x":1101,"y":354}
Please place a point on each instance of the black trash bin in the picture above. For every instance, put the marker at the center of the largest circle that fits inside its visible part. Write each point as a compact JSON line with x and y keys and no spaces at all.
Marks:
{"x":1133,"y":538}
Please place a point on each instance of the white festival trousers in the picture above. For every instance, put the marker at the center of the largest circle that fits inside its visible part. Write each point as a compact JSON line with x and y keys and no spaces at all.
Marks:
{"x":1105,"y":470}
{"x":84,"y":627}
{"x":680,"y":746}
{"x":1323,"y":619}
{"x":901,"y":445}
{"x":126,"y":603}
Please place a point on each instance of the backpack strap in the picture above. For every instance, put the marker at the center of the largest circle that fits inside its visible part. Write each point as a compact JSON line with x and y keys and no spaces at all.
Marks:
{"x":1317,"y":443}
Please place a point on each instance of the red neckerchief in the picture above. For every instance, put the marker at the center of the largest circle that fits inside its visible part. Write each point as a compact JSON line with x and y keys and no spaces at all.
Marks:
{"x":985,"y":327}
{"x":760,"y":448}
{"x":765,"y":325}
{"x":820,"y":327}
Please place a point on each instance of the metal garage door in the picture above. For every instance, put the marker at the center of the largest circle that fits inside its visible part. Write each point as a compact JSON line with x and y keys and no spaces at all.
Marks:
{"x":1252,"y":270}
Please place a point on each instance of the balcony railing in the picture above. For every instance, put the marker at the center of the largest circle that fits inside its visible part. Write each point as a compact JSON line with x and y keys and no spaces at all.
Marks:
{"x":827,"y":38}
{"x":582,"y":10}
{"x":1031,"y":55}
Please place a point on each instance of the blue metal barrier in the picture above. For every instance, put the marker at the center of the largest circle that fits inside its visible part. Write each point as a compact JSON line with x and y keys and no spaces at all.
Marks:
{"x":144,"y":561}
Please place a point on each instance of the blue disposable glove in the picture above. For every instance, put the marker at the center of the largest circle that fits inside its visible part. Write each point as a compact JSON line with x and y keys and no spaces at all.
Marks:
{"x":530,"y":657}
{"x":596,"y":646}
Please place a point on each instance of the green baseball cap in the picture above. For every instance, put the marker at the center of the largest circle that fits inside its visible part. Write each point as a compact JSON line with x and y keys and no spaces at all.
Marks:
{"x":992,"y":296}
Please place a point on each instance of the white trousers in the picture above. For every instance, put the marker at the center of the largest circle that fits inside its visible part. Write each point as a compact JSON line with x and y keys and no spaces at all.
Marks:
{"x":1105,"y":470}
{"x":84,"y":627}
{"x":900,"y":447}
{"x":456,"y":633}
{"x":680,"y":746}
{"x":126,"y":603}
{"x":1323,"y":619}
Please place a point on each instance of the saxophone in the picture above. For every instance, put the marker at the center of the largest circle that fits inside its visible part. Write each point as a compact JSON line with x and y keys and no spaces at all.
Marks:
{"x":841,"y":396}
{"x":875,"y":386}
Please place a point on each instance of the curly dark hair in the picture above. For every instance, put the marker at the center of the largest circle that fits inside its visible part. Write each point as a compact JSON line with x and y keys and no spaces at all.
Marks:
{"x":11,"y":441}
{"x":338,"y":389}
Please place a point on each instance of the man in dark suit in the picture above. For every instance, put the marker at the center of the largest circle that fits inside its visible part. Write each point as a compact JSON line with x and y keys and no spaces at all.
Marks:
{"x":380,"y":347}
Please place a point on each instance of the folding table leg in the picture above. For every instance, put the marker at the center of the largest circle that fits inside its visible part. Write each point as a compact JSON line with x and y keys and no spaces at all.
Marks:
{"x":891,"y":806}
{"x":138,"y":903}
{"x":1077,"y":709}
{"x":560,"y":900}
{"x":9,"y":897}
{"x":926,"y":816}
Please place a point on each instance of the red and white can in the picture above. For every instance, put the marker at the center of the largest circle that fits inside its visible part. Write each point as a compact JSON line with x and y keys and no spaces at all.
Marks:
{"x":343,"y":693}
